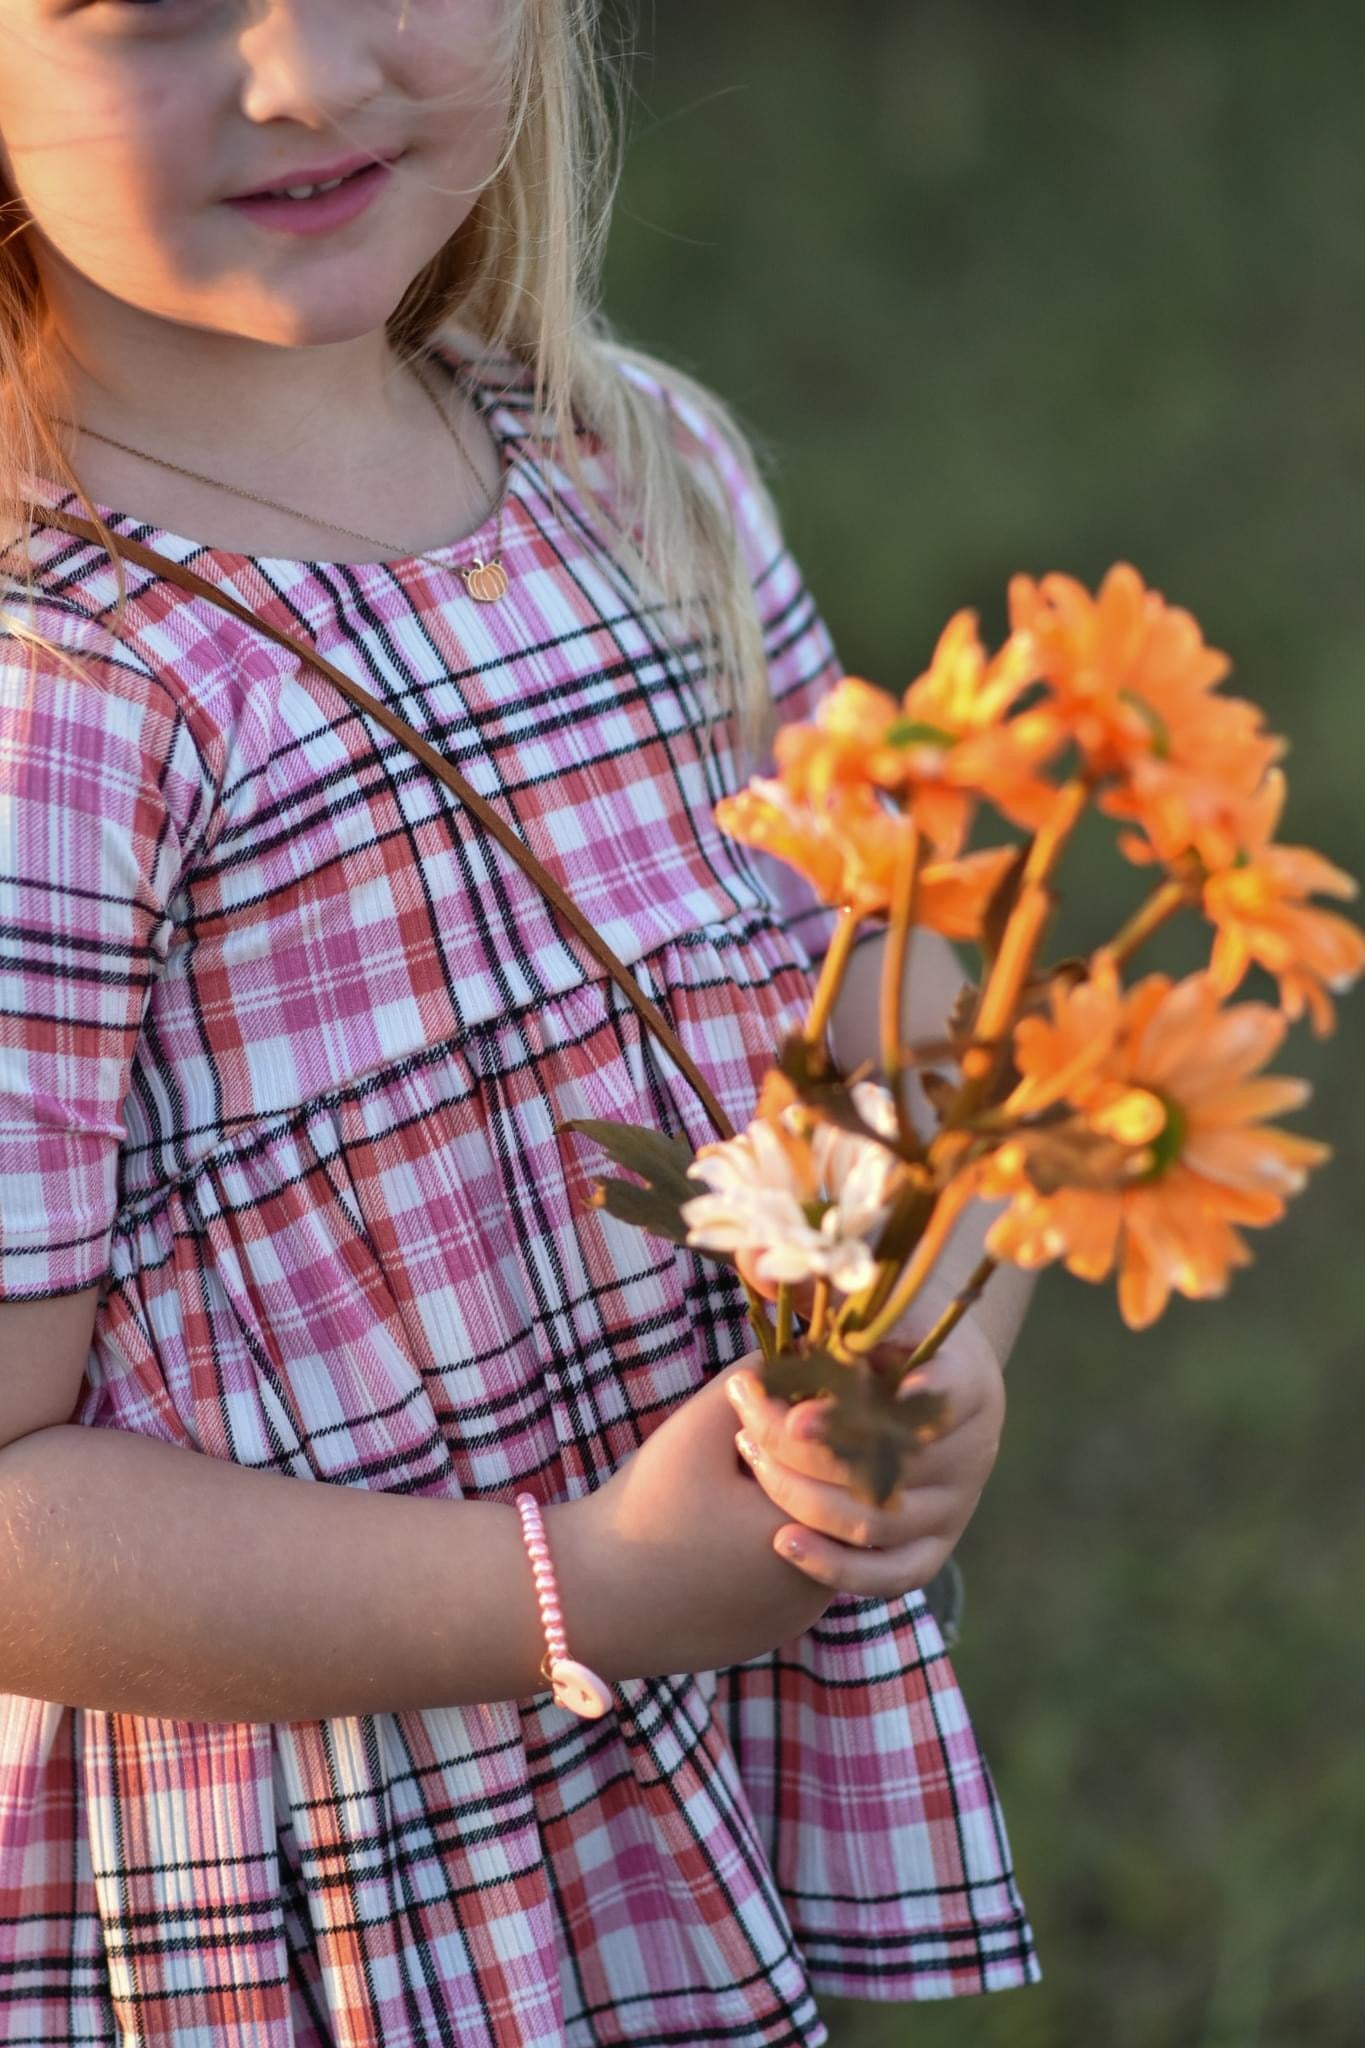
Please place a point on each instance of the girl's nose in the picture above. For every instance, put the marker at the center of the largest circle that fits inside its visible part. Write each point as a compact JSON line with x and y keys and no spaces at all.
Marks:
{"x":311,"y":61}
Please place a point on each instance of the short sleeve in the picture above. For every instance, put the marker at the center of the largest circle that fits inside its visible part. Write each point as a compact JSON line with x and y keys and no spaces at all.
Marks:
{"x":101,"y":784}
{"x":801,"y":657}
{"x":802,"y":661}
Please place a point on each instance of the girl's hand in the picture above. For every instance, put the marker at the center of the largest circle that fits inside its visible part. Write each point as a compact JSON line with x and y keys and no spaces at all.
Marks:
{"x":671,"y":1565}
{"x":847,"y":1543}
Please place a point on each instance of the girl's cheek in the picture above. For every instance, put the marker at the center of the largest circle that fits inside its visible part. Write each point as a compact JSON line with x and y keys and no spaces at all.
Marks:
{"x":89,"y":145}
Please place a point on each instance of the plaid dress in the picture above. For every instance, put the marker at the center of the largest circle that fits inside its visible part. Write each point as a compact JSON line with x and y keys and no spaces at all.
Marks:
{"x":283,"y":1047}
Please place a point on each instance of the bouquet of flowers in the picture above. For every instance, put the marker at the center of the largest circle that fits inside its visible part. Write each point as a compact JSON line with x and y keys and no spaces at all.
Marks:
{"x":1124,"y":1125}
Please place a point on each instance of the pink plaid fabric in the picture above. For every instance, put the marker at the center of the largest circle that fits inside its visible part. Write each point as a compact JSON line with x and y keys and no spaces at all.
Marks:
{"x":283,"y":1048}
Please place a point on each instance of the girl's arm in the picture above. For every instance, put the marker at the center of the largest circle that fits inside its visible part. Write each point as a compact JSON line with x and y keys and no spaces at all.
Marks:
{"x":143,"y":1577}
{"x":934,"y":979}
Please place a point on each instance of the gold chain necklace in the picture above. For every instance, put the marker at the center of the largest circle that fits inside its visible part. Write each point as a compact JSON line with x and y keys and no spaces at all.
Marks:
{"x":485,"y":581}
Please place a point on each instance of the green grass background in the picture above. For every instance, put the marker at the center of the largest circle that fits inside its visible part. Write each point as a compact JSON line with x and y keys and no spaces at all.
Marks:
{"x":1044,"y":287}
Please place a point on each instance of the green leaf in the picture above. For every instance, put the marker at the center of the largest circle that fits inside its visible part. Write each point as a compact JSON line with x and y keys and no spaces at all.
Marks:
{"x":947,"y":1599}
{"x":801,"y":1374}
{"x":647,"y":1208}
{"x":822,"y":1089}
{"x":867,"y":1427}
{"x":660,"y":1162}
{"x":873,"y":1432}
{"x":941,"y":1090}
{"x":962,"y":1017}
{"x":904,"y":1227}
{"x":1156,"y":725}
{"x":916,"y":732}
{"x":1001,"y":905}
{"x":805,"y":1065}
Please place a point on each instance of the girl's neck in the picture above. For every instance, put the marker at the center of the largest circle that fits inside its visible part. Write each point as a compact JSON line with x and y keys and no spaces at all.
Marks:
{"x":153,"y":382}
{"x":389,"y":472}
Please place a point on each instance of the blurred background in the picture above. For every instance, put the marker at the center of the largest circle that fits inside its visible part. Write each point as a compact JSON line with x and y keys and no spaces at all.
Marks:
{"x":1041,"y":287}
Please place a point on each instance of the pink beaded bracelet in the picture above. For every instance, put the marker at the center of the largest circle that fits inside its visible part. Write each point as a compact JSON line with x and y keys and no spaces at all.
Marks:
{"x":571,"y":1683}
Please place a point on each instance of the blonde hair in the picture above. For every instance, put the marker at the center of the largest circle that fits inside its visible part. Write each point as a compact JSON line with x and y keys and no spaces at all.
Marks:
{"x":522,"y":274}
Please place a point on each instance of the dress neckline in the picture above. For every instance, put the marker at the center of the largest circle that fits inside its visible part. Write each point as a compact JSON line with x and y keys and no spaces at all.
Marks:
{"x":505,"y":437}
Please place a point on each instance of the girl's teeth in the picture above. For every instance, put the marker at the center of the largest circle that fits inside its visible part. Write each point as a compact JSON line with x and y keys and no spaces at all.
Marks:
{"x":307,"y":191}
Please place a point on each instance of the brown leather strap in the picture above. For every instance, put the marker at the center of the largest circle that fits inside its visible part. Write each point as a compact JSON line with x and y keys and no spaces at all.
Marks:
{"x":495,"y":825}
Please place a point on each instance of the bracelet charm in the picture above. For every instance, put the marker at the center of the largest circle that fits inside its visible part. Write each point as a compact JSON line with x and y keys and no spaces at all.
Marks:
{"x":572,"y":1684}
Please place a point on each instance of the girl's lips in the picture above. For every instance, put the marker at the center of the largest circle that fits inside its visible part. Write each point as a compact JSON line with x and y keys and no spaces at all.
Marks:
{"x":318,"y":215}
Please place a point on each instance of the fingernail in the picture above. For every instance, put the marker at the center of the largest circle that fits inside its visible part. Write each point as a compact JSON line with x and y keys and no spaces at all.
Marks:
{"x":808,"y":1420}
{"x":748,"y":1449}
{"x":736,"y":1390}
{"x":792,"y":1546}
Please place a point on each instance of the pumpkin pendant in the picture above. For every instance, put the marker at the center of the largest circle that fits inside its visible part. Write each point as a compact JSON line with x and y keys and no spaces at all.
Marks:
{"x":486,"y":581}
{"x":580,"y":1690}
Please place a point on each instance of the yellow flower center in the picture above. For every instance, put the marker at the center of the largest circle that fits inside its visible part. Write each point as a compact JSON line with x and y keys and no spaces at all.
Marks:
{"x":1133,"y":1116}
{"x":1168,"y":1144}
{"x":1148,"y":1122}
{"x":1245,"y":889}
{"x":1152,"y":719}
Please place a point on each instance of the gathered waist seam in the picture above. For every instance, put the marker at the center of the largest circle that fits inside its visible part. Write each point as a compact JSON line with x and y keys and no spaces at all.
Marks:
{"x":258,"y":1133}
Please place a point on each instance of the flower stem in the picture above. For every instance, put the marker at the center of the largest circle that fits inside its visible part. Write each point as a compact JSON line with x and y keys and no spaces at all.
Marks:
{"x":1160,"y":905}
{"x":939,"y":1229}
{"x":1018,"y":950}
{"x":952,"y":1315}
{"x":831,"y":976}
{"x":819,"y":1313}
{"x":913,"y":1209}
{"x":784,"y":1317}
{"x":758,"y":1316}
{"x":893,"y":990}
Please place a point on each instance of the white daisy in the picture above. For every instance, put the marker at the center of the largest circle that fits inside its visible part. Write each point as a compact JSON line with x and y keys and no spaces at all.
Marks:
{"x":810,"y":1206}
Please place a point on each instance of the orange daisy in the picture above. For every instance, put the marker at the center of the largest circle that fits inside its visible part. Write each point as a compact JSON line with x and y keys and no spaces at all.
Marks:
{"x":1195,"y":795}
{"x":1259,"y":905}
{"x":954,"y":895}
{"x":1133,"y":683}
{"x":849,"y":849}
{"x":950,"y":741}
{"x":1153,"y":1149}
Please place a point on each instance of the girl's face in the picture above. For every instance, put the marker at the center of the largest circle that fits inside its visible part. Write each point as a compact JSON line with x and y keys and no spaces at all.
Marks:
{"x":126,"y":126}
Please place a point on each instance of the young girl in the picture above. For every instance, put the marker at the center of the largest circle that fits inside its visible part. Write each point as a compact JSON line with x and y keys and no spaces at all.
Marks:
{"x":286,"y":1047}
